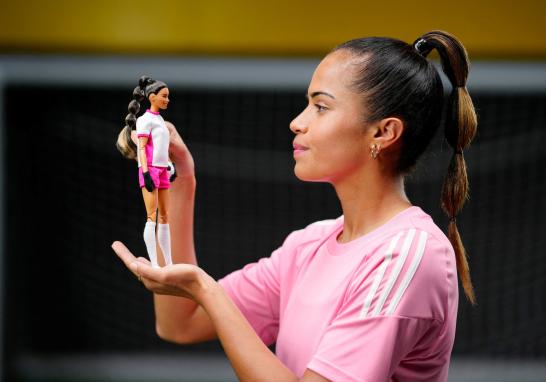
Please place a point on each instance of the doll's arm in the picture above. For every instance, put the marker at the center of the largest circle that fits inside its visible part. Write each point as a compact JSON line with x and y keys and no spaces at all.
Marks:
{"x":142,"y":141}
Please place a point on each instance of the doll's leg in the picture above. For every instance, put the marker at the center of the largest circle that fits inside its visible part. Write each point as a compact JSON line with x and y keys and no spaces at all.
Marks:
{"x":150,"y":201}
{"x":163,"y":229}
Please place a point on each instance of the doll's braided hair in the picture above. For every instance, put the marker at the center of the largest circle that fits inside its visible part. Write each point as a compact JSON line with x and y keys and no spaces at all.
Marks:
{"x":146,"y":86}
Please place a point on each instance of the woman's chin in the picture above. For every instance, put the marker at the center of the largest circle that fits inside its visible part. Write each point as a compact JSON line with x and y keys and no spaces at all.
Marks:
{"x":306,"y":176}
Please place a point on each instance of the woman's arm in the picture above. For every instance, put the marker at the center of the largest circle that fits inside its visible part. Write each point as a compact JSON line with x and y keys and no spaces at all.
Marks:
{"x":250,"y":357}
{"x":178,"y":319}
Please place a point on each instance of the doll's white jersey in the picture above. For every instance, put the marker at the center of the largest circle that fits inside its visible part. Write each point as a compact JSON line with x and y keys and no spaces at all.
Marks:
{"x":152,"y":126}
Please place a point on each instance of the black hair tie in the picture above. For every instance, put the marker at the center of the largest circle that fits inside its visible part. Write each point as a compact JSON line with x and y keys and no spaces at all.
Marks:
{"x":422,"y":47}
{"x":458,"y":152}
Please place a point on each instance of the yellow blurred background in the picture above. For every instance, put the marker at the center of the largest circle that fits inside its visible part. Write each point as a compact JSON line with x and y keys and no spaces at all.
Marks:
{"x":489,"y":29}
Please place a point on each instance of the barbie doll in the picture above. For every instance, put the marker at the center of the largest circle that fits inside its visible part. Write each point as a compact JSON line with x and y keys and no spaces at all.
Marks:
{"x":155,"y":171}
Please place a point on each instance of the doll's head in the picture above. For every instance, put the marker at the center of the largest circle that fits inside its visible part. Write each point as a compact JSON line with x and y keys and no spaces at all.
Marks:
{"x":146,"y":87}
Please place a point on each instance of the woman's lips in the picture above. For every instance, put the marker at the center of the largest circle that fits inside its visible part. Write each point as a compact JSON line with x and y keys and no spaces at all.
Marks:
{"x":299,"y":149}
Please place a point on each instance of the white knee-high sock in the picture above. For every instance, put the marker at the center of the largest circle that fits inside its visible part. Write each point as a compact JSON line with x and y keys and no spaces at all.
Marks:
{"x":149,"y":240}
{"x":164,"y":238}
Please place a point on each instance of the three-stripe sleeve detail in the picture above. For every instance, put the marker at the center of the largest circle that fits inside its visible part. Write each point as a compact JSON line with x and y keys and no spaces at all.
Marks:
{"x":410,"y":272}
{"x":395,"y":274}
{"x":379,"y":275}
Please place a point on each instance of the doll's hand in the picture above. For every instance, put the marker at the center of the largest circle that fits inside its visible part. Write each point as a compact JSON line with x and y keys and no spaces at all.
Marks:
{"x":184,"y":280}
{"x":172,"y":171}
{"x":179,"y":153}
{"x":148,"y":181}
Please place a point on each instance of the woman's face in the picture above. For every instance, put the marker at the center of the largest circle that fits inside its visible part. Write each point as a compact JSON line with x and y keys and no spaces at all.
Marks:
{"x":160,"y":99}
{"x":331,"y":140}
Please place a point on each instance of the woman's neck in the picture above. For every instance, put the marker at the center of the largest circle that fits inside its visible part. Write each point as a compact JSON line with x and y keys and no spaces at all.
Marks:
{"x":154,"y":108}
{"x":368,"y":201}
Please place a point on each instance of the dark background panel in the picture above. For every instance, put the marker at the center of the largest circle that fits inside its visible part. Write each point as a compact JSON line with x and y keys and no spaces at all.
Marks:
{"x":70,"y":194}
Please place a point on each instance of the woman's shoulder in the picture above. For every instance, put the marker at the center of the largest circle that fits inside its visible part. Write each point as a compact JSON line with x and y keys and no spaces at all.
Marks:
{"x":415,"y":266}
{"x":413,"y":221}
{"x":315,"y":231}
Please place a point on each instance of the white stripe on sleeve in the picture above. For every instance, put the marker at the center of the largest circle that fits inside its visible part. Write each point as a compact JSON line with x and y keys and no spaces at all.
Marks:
{"x":410,"y":272}
{"x":379,"y":275}
{"x":395,"y":272}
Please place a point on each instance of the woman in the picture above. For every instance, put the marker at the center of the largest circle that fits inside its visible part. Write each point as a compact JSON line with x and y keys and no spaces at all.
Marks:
{"x":153,"y":161}
{"x":372,"y":295}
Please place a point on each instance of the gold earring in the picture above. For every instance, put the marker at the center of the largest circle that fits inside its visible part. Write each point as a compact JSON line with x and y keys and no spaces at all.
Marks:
{"x":374,"y":151}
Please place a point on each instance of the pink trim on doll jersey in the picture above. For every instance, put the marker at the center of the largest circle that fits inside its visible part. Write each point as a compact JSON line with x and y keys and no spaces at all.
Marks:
{"x":150,"y":150}
{"x":153,"y":112}
{"x":144,"y":135}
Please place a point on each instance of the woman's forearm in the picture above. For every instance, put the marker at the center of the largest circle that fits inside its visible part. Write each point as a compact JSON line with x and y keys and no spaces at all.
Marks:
{"x":181,"y":209}
{"x":174,"y":313}
{"x":250,"y":357}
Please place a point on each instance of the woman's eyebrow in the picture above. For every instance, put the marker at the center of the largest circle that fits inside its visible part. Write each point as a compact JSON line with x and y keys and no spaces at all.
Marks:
{"x":315,"y":94}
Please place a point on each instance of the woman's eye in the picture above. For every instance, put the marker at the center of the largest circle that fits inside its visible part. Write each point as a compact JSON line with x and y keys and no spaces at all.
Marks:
{"x":321,"y":108}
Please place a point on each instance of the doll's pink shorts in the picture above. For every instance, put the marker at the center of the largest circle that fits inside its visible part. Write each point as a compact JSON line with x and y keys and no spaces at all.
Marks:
{"x":160,"y":176}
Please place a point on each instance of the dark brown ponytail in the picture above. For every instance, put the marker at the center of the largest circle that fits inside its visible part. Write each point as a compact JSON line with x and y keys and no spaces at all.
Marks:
{"x":146,"y":86}
{"x":460,"y":129}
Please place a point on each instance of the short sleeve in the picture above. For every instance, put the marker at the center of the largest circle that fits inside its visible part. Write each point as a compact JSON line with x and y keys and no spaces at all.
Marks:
{"x":367,"y":349}
{"x":261,"y":290}
{"x":395,"y":304}
{"x":143,"y":127}
{"x":255,"y":290}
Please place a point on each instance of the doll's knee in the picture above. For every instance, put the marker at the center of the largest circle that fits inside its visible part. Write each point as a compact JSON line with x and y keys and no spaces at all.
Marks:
{"x":163,"y":218}
{"x":151,"y":217}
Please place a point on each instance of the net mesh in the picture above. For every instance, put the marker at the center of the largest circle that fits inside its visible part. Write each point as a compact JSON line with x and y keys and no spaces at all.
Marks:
{"x":70,"y":194}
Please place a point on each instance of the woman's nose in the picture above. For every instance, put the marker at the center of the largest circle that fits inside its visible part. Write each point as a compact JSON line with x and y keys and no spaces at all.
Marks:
{"x":298,"y":124}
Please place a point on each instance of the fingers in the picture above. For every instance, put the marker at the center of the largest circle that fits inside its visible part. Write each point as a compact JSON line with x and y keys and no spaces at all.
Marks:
{"x":154,"y":287}
{"x":144,"y":260}
{"x":146,"y":271}
{"x":173,"y":133}
{"x":171,"y":127}
{"x":177,"y":148}
{"x":154,"y":279}
{"x":123,"y":253}
{"x":151,"y":277}
{"x":157,"y":280}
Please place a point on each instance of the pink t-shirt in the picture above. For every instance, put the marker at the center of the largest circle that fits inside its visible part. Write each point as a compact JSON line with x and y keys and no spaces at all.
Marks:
{"x":382,"y":307}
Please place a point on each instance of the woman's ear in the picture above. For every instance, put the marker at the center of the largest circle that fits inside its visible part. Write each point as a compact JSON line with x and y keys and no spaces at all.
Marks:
{"x":389,"y":132}
{"x":151,"y":97}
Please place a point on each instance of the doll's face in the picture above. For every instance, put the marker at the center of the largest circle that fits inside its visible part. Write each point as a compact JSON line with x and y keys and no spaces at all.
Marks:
{"x":160,"y":99}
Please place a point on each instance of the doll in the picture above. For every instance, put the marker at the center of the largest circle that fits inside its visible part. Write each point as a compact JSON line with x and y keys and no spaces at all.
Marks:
{"x":150,"y":148}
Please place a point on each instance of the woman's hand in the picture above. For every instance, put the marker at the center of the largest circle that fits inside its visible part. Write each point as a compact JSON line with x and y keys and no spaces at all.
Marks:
{"x":180,"y":154}
{"x":183,"y":280}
